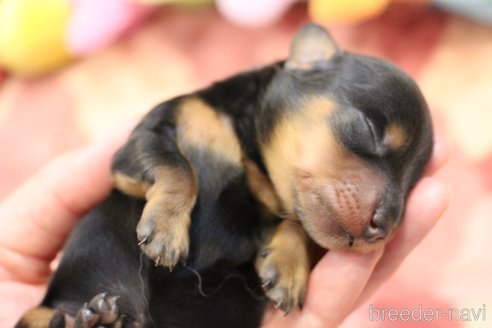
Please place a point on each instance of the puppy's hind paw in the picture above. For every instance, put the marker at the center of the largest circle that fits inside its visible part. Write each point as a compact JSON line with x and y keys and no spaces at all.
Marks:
{"x":102,"y":310}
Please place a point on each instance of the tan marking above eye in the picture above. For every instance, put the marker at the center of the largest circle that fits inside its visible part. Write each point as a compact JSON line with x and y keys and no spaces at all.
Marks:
{"x":395,"y":137}
{"x":201,"y":126}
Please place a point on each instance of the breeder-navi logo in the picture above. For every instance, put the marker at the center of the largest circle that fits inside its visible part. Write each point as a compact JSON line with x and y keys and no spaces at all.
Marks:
{"x":421,"y":313}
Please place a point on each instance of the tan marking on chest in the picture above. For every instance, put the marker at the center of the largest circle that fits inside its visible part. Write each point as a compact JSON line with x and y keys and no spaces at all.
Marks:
{"x":262,"y":188}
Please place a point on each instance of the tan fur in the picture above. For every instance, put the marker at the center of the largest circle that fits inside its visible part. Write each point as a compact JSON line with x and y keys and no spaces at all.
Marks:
{"x":174,"y":192}
{"x":174,"y":182}
{"x":261,"y":187}
{"x":199,"y":125}
{"x":130,"y":185}
{"x":297,"y":139}
{"x":288,"y":255}
{"x":394,"y":137}
{"x":39,"y":317}
{"x":170,"y":201}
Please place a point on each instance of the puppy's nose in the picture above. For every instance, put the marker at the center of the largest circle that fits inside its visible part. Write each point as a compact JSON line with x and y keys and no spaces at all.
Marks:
{"x":377,"y":230}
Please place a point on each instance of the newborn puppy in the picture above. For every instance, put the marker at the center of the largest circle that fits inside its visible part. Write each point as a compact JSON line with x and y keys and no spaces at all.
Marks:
{"x":219,"y":193}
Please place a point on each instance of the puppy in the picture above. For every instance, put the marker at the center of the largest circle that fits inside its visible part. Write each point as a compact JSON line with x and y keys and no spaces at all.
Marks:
{"x":219,"y":193}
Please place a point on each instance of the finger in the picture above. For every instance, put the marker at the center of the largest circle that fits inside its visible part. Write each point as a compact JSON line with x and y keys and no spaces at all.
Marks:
{"x":440,"y":154}
{"x":334,"y":285}
{"x":36,"y":219}
{"x":426,"y":204}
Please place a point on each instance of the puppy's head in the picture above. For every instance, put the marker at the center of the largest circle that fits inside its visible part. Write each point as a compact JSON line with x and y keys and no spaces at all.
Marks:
{"x":344,"y":138}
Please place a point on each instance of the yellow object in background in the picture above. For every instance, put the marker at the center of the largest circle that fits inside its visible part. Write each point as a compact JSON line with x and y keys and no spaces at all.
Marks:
{"x":345,"y":11}
{"x":32,"y":35}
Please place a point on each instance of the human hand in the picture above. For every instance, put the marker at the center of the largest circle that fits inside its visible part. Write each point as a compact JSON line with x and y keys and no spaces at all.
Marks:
{"x":343,"y":280}
{"x":36,"y":220}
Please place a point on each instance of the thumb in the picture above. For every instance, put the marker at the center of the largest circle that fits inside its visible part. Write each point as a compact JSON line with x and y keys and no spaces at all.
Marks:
{"x":36,"y":219}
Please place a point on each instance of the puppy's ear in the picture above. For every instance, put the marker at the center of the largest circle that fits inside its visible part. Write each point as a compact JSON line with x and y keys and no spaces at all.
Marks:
{"x":311,"y":47}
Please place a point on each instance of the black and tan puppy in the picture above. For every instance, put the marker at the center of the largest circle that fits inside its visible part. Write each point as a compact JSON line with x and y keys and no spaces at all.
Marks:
{"x":218,"y":193}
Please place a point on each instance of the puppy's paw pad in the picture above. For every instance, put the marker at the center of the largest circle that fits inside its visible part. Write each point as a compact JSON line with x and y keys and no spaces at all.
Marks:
{"x":283,"y":279}
{"x":101,"y":310}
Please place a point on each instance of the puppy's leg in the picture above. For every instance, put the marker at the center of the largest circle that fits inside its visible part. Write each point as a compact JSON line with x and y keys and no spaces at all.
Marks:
{"x":163,"y":227}
{"x":283,"y":266}
{"x":151,"y":166}
{"x":283,"y":261}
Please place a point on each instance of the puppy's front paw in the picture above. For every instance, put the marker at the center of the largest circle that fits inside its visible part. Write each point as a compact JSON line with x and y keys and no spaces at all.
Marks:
{"x":163,"y":234}
{"x":283,"y":267}
{"x":283,"y":278}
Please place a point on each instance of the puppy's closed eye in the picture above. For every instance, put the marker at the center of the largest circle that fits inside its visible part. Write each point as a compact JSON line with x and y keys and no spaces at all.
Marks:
{"x":357,"y":132}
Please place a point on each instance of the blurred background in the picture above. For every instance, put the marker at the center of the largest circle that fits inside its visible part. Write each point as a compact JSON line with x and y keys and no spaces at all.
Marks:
{"x":74,"y":71}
